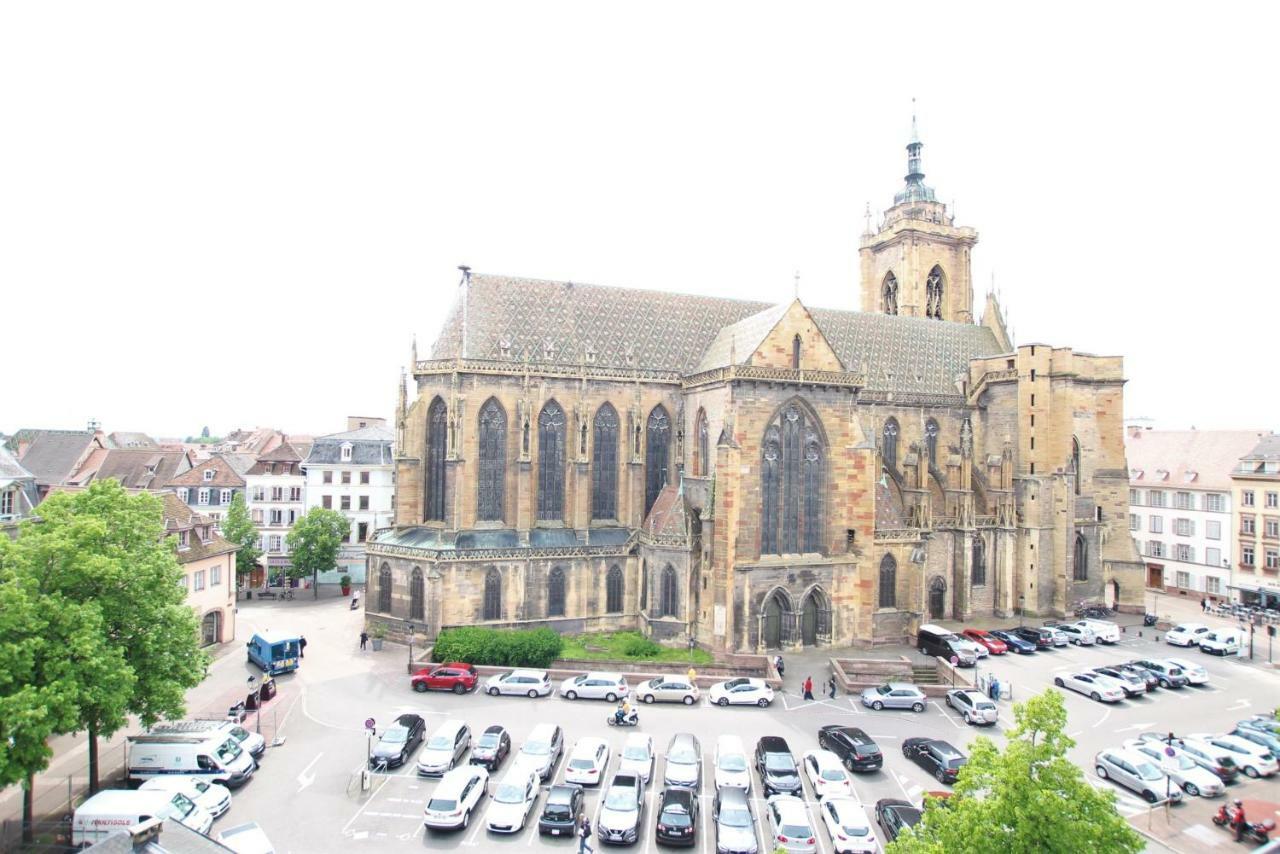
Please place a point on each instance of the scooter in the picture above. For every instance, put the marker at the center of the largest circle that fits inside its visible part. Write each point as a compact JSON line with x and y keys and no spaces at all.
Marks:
{"x":1254,"y":831}
{"x":633,"y":719}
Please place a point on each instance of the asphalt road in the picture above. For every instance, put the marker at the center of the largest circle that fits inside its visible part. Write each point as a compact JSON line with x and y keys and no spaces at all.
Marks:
{"x":307,"y":794}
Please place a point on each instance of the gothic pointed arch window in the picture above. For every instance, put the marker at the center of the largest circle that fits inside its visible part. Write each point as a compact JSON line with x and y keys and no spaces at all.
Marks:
{"x":604,"y":464}
{"x":702,"y":445}
{"x":889,"y":294}
{"x":551,"y":463}
{"x":888,"y":582}
{"x":890,"y":444}
{"x":1080,"y":572}
{"x":491,"y":485}
{"x":384,"y":589}
{"x":978,"y":574}
{"x":555,"y":593}
{"x":791,"y":481}
{"x":668,"y":601}
{"x":931,"y":442}
{"x":492,"y":594}
{"x":1075,"y":462}
{"x":437,"y":425}
{"x":657,"y":458}
{"x":417,"y":603}
{"x":795,"y":353}
{"x":613,"y":590}
{"x":933,"y":288}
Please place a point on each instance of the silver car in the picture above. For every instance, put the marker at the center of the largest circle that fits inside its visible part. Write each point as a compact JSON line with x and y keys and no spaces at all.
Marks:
{"x":1181,"y":768}
{"x":595,"y":686}
{"x":529,"y":683}
{"x":973,"y":706}
{"x":789,"y":824}
{"x":1135,"y":771}
{"x":620,"y":811}
{"x":895,"y":695}
{"x":684,"y":761}
{"x":735,"y":826}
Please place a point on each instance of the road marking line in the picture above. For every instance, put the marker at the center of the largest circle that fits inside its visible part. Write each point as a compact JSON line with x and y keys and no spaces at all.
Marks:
{"x":365,"y":805}
{"x":949,"y":717}
{"x":1103,"y":720}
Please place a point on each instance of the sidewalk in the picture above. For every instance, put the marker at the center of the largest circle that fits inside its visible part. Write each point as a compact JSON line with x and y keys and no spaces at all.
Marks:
{"x":1188,"y":828}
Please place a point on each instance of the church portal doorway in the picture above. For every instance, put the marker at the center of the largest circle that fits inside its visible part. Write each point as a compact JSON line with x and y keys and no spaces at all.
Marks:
{"x":775,"y":611}
{"x":809,"y":621}
{"x":937,"y":598}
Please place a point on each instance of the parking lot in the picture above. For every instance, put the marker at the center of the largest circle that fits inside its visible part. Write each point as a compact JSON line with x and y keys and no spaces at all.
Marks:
{"x":308,"y":795}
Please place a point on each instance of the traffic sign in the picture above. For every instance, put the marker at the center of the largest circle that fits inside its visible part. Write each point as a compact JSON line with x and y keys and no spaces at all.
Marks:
{"x":368,"y":723}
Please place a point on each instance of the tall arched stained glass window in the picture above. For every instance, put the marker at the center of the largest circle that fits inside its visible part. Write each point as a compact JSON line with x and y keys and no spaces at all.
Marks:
{"x":437,"y":427}
{"x":417,"y":604}
{"x":551,"y":458}
{"x":384,"y":589}
{"x":492,"y":594}
{"x":979,"y":574}
{"x":792,"y":474}
{"x":889,"y":450}
{"x":604,"y":464}
{"x":889,"y":294}
{"x":1075,"y":462}
{"x":613,"y":590}
{"x":669,"y":601}
{"x":491,"y":486}
{"x":657,"y":458}
{"x":888,"y":582}
{"x":1081,"y":568}
{"x":933,"y":288}
{"x":555,"y":593}
{"x":931,"y":442}
{"x":702,"y":465}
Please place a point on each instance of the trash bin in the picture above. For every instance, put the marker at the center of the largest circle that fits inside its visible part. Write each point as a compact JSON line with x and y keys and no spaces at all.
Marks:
{"x":248,"y":594}
{"x":251,"y":700}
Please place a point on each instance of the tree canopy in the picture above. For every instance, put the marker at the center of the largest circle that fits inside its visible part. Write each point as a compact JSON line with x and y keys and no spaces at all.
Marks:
{"x":1028,"y":798}
{"x":314,"y":542}
{"x":239,"y":529}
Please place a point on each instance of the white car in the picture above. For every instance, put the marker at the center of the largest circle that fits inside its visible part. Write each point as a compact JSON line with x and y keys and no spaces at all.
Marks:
{"x":456,"y":797}
{"x":977,"y":650}
{"x":1195,"y":674}
{"x":1103,"y":630}
{"x":247,"y":838}
{"x":1181,"y":768}
{"x":213,"y":798}
{"x":732,"y":767}
{"x":742,"y":691}
{"x":974,"y":706}
{"x":512,"y":800}
{"x":530,"y":683}
{"x":826,"y":775}
{"x":668,"y":689}
{"x":596,"y":686}
{"x":1077,"y":634}
{"x":1254,"y":759}
{"x":1186,"y":634}
{"x":789,"y":824}
{"x":1058,"y":635}
{"x":1222,"y":642}
{"x":1103,"y":689}
{"x":637,"y":756}
{"x":848,"y":826}
{"x":587,"y":762}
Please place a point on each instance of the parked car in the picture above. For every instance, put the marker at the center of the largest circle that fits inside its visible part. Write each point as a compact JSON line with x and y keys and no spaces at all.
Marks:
{"x":1015,"y":642}
{"x":1057,"y":636}
{"x":668,"y":689}
{"x":976,"y":649}
{"x":456,"y":798}
{"x":939,"y":758}
{"x":213,"y":798}
{"x":892,"y":815}
{"x":1185,"y":634}
{"x":1042,"y":638}
{"x":677,"y":817}
{"x":491,"y":747}
{"x":777,"y":767}
{"x":455,"y":676}
{"x":1254,"y":759}
{"x":856,"y":749}
{"x":588,"y":762}
{"x":1195,"y":674}
{"x":735,"y":825}
{"x":1209,"y":756}
{"x":993,"y":644}
{"x":618,"y":821}
{"x":847,"y":826}
{"x":826,"y":776}
{"x":1167,"y":675}
{"x":1104,"y":630}
{"x":398,"y":742}
{"x":742,"y":691}
{"x":446,"y":746}
{"x":974,"y":706}
{"x":1133,"y":684}
{"x":1136,"y":772}
{"x":937,"y":641}
{"x":1076,"y":634}
{"x":637,"y":756}
{"x":1147,"y":676}
{"x":1267,"y":722}
{"x":1102,"y":689}
{"x":530,"y":683}
{"x":512,"y":799}
{"x":1194,"y":779}
{"x":541,"y":750}
{"x":1221,"y":642}
{"x":895,"y":695}
{"x":732,"y":768}
{"x":684,"y":761}
{"x":789,"y":824}
{"x":562,"y":811}
{"x":596,"y":686}
{"x":1264,"y":737}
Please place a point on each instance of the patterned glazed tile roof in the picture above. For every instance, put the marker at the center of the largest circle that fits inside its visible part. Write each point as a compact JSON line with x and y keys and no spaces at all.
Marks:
{"x":568,"y":323}
{"x":735,"y":343}
{"x":668,"y":516}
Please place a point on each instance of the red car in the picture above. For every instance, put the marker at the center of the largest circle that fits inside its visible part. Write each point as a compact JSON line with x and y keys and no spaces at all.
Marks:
{"x":994,"y":645}
{"x":454,"y":676}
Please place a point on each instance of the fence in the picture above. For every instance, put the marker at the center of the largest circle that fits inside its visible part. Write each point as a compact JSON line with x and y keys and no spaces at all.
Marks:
{"x":55,"y":799}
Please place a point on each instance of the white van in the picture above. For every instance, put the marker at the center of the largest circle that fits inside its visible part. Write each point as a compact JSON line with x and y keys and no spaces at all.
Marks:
{"x":218,"y":759}
{"x":120,"y":809}
{"x":733,"y":766}
{"x":250,"y":741}
{"x":210,"y":797}
{"x":1222,"y":642}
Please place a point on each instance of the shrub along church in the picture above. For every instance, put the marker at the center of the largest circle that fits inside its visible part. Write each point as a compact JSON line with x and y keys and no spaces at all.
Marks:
{"x":755,"y":476}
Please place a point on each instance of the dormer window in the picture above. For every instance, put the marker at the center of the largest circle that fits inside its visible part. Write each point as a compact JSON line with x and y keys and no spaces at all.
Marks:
{"x":208,"y":474}
{"x":184,"y":539}
{"x":346,"y":452}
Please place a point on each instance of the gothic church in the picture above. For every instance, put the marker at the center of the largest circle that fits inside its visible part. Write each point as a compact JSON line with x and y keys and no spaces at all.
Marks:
{"x":750,"y":476}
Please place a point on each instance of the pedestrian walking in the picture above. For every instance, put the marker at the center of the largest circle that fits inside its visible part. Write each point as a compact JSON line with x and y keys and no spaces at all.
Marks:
{"x":779,"y":665}
{"x":302,"y":646}
{"x":693,"y":675}
{"x":584,"y":834}
{"x":831,"y":686}
{"x":808,"y":687}
{"x":1204,"y":604}
{"x":364,"y":639}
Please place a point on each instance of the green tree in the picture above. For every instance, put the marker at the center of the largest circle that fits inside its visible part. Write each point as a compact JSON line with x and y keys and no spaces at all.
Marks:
{"x":1026,"y":799}
{"x":314,"y":542}
{"x":105,"y":548}
{"x":239,"y":529}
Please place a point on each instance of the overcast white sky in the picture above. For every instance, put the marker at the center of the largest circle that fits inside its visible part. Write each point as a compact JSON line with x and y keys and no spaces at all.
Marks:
{"x":239,"y":213}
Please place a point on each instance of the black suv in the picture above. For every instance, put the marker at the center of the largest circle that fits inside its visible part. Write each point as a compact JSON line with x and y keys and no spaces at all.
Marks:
{"x":892,"y":815}
{"x":854,"y":747}
{"x":777,"y":767}
{"x":937,"y":757}
{"x":562,"y":811}
{"x":678,"y":816}
{"x":1042,"y":638}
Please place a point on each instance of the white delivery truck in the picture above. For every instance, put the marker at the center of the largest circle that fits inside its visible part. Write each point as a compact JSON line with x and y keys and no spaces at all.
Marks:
{"x":250,"y":741}
{"x":217,"y":758}
{"x":120,"y":809}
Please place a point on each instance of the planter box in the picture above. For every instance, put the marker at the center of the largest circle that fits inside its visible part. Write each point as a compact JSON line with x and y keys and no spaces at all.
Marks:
{"x":377,"y":643}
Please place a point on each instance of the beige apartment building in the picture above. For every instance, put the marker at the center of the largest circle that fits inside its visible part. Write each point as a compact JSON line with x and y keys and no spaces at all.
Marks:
{"x":209,"y":564}
{"x":1256,"y":499}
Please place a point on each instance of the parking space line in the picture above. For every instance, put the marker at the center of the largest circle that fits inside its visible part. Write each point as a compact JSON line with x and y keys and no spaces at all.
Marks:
{"x":943,"y":711}
{"x":1103,"y":719}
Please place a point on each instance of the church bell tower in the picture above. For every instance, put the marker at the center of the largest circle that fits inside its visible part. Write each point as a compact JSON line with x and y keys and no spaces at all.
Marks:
{"x":917,"y":263}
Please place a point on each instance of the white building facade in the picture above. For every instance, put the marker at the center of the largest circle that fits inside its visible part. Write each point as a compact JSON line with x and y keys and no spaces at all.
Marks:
{"x":1180,"y":507}
{"x":353,"y":473}
{"x":276,"y":490}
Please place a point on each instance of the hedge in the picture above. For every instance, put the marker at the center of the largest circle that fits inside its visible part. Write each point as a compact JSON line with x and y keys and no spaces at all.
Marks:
{"x":499,"y":647}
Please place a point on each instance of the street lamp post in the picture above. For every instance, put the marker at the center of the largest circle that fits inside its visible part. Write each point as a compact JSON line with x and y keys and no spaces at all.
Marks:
{"x":1022,"y":608}
{"x":411,"y":647}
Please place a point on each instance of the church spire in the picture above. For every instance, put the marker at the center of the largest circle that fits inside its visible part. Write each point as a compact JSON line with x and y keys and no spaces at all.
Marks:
{"x":915,"y":190}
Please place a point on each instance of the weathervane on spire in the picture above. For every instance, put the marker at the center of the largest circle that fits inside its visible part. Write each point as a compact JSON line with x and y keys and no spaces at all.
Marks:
{"x":797,"y":278}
